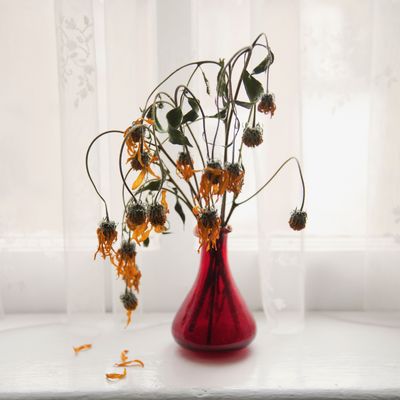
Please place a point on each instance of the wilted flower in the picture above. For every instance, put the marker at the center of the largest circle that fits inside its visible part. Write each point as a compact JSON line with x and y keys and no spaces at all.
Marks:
{"x":137,"y":221}
{"x":213,"y":181}
{"x":235,"y":178}
{"x":130,"y":302}
{"x":106,"y":235}
{"x":158,"y":214}
{"x":142,"y":161}
{"x":267,"y":104}
{"x":252,"y":136}
{"x":298,"y":220}
{"x":208,"y":227}
{"x":125,"y":264}
{"x":184,"y":165}
{"x":145,"y":159}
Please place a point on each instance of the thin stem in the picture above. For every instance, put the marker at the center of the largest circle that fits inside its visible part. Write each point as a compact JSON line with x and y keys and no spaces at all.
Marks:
{"x":197,"y":145}
{"x":87,"y":166}
{"x":274,"y":175}
{"x":122,"y":172}
{"x":198,"y":63}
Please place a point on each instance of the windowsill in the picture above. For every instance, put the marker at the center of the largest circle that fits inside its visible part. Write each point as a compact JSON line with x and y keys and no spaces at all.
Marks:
{"x":338,"y":355}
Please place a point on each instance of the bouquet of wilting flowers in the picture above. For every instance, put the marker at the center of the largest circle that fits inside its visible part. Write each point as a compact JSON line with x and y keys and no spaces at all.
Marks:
{"x":207,"y":173}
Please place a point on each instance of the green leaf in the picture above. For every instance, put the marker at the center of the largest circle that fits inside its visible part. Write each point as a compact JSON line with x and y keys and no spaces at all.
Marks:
{"x":194,"y":103}
{"x":153,"y":116}
{"x":254,"y":88}
{"x":190,"y":116}
{"x":220,"y":115}
{"x":152,"y":185}
{"x":174,"y":117}
{"x":177,"y":137}
{"x":244,"y":104}
{"x":178,"y":208}
{"x":146,"y":242}
{"x":264,"y":64}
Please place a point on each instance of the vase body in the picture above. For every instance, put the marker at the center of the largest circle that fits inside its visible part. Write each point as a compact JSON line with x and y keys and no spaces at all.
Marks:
{"x":214,"y":316}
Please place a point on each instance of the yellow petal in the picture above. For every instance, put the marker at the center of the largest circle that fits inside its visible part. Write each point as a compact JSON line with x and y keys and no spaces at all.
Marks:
{"x":150,"y":171}
{"x":130,"y":363}
{"x":78,"y":349}
{"x":113,"y":376}
{"x":139,"y":179}
{"x":164,"y":199}
{"x":124,"y":356}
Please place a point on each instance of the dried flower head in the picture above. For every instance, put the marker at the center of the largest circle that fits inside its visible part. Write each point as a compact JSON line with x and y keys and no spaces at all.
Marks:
{"x":235,"y":177}
{"x":213,"y":181}
{"x":125,"y":264}
{"x":184,"y":158}
{"x":267,"y":104}
{"x":136,"y":214}
{"x":208,"y":227}
{"x":184,"y":165}
{"x":298,"y":220}
{"x":137,"y":221}
{"x":130,"y":302}
{"x":128,"y":248}
{"x":106,"y":235}
{"x":136,"y":133}
{"x":140,"y":160}
{"x":252,"y":136}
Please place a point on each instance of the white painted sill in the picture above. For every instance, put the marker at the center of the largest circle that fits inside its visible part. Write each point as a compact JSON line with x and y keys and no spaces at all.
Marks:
{"x":338,"y":356}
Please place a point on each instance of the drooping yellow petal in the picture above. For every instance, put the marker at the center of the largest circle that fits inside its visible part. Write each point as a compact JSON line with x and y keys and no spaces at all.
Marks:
{"x":128,"y":317}
{"x":164,"y":200}
{"x":139,"y":179}
{"x":151,"y":172}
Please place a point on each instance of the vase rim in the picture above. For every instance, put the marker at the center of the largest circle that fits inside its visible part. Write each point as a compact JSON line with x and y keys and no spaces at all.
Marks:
{"x":224,"y":229}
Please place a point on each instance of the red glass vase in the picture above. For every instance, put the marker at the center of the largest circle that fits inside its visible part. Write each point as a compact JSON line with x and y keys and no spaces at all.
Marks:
{"x":214,"y":316}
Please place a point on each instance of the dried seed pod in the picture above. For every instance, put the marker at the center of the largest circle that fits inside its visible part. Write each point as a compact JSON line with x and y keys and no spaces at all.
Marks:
{"x":267,"y":104}
{"x":157,"y":214}
{"x":298,"y":220}
{"x":252,"y":136}
{"x":184,"y":158}
{"x":129,"y":300}
{"x":137,"y":132}
{"x":136,"y":214}
{"x":145,"y":159}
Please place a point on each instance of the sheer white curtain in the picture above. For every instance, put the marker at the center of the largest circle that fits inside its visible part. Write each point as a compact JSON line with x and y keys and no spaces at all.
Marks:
{"x":72,"y":68}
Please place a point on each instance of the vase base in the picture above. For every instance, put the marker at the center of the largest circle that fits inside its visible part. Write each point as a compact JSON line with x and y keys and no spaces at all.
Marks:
{"x":214,"y":348}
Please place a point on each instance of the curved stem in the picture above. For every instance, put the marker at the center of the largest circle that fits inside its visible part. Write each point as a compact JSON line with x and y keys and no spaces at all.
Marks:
{"x":87,"y":165}
{"x":197,"y":145}
{"x":122,"y":172}
{"x":274,"y":175}
{"x":198,"y":63}
{"x":234,"y":204}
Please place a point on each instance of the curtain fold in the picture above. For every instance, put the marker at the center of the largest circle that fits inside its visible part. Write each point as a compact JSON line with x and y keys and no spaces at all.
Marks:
{"x":79,"y":117}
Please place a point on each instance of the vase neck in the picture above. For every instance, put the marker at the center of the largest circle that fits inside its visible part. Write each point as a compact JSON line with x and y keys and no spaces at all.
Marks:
{"x":220,"y":250}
